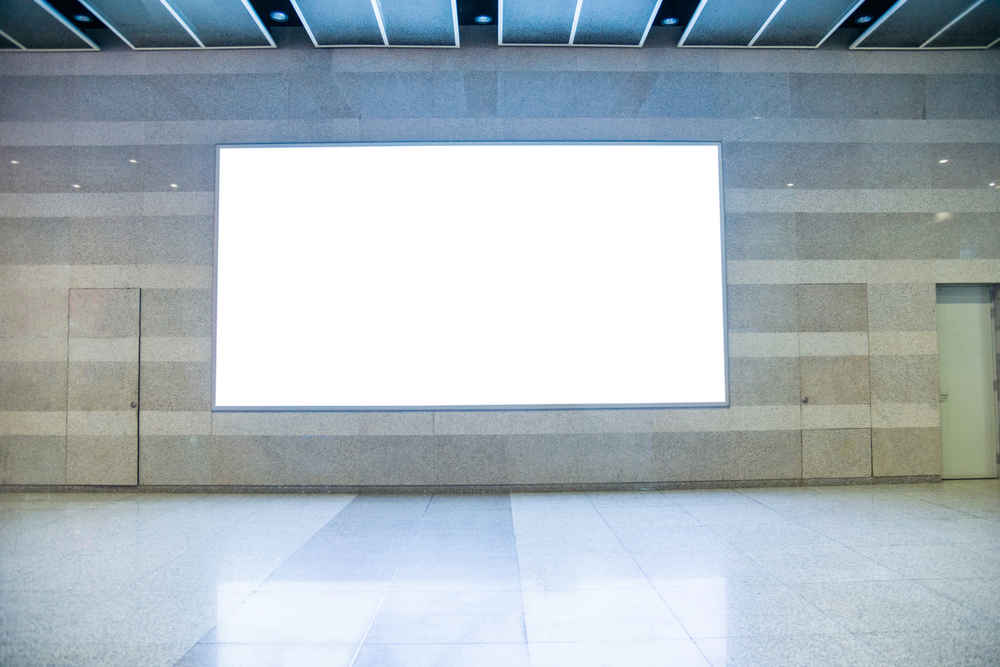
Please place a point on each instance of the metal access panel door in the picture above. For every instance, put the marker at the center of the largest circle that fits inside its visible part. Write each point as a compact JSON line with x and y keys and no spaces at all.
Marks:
{"x":102,"y":437}
{"x":968,"y":374}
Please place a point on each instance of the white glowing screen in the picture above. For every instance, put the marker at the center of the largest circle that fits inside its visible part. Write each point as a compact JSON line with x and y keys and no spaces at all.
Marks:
{"x":405,"y":275}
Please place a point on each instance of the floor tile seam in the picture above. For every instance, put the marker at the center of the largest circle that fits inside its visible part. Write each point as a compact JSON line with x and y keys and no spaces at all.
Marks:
{"x":852,"y":548}
{"x":267,"y":578}
{"x":649,"y":581}
{"x":392,"y":580}
{"x":959,"y":600}
{"x":260,"y":582}
{"x":517,"y":566}
{"x":828,"y":615}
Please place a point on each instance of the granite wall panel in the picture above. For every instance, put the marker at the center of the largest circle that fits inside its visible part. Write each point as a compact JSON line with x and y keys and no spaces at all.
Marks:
{"x":839,"y":266}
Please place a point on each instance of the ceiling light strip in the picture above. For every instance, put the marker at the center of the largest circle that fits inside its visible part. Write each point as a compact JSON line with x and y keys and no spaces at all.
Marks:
{"x":381,"y":24}
{"x":576,"y":21}
{"x":260,"y":24}
{"x":59,"y":17}
{"x":694,"y":19}
{"x":839,"y":23}
{"x":454,"y":21}
{"x":993,"y":43}
{"x":105,"y":21}
{"x":952,"y":22}
{"x":13,"y":41}
{"x":305,"y":24}
{"x":649,"y":24}
{"x":767,"y":22}
{"x":500,"y":23}
{"x":881,"y":20}
{"x":177,"y":17}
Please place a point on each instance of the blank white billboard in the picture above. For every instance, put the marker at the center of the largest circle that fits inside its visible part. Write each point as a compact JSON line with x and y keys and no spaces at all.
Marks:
{"x":469,"y":275}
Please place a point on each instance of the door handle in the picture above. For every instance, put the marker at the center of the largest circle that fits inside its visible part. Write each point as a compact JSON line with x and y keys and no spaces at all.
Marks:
{"x":134,"y":404}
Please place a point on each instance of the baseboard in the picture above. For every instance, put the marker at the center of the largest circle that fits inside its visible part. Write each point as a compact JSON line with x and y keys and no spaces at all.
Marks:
{"x":407,"y":489}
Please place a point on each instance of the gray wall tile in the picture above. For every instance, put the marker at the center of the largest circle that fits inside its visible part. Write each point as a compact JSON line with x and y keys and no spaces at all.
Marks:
{"x":700,"y":456}
{"x":32,"y":385}
{"x":177,"y":312}
{"x":33,"y":312}
{"x":910,"y":379}
{"x":831,"y":307}
{"x":857,"y":95}
{"x":913,"y":236}
{"x":604,"y":457}
{"x":836,"y":453}
{"x":831,"y":236}
{"x":760,"y":236}
{"x":718,"y":95}
{"x":175,"y":240}
{"x":902,"y":307}
{"x":963,"y":95}
{"x":473,"y":459}
{"x":836,"y":165}
{"x":101,"y":459}
{"x":103,"y":313}
{"x":176,"y":385}
{"x":835,"y":380}
{"x":26,"y":459}
{"x":176,"y":459}
{"x":979,"y":236}
{"x":766,"y":455}
{"x":34,"y":241}
{"x":103,"y":385}
{"x":906,"y":451}
{"x":762,"y":308}
{"x":764,"y":381}
{"x":103,"y":241}
{"x":579,"y":94}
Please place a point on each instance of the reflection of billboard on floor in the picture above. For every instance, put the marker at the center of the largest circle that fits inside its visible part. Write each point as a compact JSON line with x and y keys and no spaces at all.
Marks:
{"x":464,"y":275}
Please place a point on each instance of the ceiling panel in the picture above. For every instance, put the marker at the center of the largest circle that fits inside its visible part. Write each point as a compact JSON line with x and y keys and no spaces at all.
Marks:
{"x":34,"y":25}
{"x":143,"y":24}
{"x":223,"y":23}
{"x":910,"y":23}
{"x":614,"y":22}
{"x":341,"y":22}
{"x":535,"y":22}
{"x":727,"y":22}
{"x":979,"y":28}
{"x":802,"y":23}
{"x":420,"y":22}
{"x":6,"y":44}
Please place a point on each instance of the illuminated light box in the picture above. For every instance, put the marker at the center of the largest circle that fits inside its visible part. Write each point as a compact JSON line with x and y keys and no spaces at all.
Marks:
{"x":467,"y":275}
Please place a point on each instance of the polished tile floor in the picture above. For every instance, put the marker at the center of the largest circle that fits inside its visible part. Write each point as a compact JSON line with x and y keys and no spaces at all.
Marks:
{"x":873,"y":575}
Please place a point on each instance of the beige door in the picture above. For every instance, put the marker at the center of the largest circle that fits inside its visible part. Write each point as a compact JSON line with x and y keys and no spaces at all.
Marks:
{"x":968,"y":370}
{"x":834,"y":381}
{"x":102,"y":436}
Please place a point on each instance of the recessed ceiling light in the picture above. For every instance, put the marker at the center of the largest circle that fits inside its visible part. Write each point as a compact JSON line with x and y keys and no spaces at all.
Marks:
{"x":483,"y":19}
{"x":789,"y":185}
{"x":944,"y":160}
{"x":81,"y":18}
{"x":19,"y":162}
{"x":173,"y":185}
{"x":279,"y":16}
{"x":863,"y":19}
{"x":993,"y":184}
{"x":132,"y":160}
{"x":76,"y":186}
{"x":670,"y":20}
